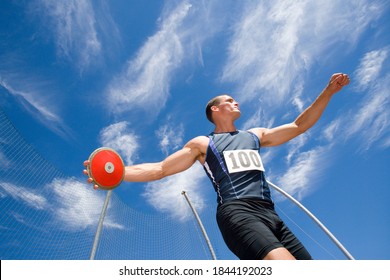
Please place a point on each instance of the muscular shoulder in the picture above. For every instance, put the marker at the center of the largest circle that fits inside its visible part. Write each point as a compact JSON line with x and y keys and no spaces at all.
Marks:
{"x":199,"y":145}
{"x":258,"y":131}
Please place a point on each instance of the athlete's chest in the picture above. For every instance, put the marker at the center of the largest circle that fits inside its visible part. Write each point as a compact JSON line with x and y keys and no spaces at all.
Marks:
{"x":234,"y":141}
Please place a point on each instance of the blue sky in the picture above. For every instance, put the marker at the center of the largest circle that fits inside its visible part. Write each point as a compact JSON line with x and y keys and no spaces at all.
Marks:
{"x":136,"y":75}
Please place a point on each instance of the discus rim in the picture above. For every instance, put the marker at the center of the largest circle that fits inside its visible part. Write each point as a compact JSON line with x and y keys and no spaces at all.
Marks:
{"x":91,"y":173}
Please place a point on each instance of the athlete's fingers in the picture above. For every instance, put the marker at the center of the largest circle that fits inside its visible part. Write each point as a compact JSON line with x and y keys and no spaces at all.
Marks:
{"x":346,"y":79}
{"x":341,"y":79}
{"x":90,"y":181}
{"x":338,"y":81}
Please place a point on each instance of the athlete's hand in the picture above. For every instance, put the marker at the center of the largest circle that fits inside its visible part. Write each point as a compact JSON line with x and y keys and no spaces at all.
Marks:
{"x":85,"y":172}
{"x":337,"y":82}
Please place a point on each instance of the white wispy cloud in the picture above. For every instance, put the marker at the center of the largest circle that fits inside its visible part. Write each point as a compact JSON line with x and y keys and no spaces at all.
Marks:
{"x":369,"y":120}
{"x":260,"y":52}
{"x":119,"y":137}
{"x":78,"y":206}
{"x":295,"y":145}
{"x":372,"y":120}
{"x":73,"y":205}
{"x":386,"y":141}
{"x":146,"y":80}
{"x":165,"y":195}
{"x":370,"y":67}
{"x":74,"y":27}
{"x":257,"y":118}
{"x":332,"y":129}
{"x":170,"y":137}
{"x":29,"y":197}
{"x":300,"y":177}
{"x":275,"y":43}
{"x":32,"y":95}
{"x":31,"y":100}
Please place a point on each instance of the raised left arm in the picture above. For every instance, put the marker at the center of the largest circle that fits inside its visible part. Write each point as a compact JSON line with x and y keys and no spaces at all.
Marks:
{"x":281,"y":134}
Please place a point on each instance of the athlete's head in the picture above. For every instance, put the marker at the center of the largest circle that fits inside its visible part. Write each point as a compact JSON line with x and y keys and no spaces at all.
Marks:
{"x":215,"y":102}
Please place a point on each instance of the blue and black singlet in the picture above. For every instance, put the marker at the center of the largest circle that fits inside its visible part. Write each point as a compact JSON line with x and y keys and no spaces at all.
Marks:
{"x":234,"y":166}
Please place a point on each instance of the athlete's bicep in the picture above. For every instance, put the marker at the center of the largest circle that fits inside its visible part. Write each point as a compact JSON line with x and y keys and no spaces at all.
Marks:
{"x":184,"y":158}
{"x":178,"y":161}
{"x":277,"y":135}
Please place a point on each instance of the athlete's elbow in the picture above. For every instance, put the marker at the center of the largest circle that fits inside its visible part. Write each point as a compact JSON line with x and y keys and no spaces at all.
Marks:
{"x":301,"y":127}
{"x":158,"y":173}
{"x":161,"y":171}
{"x":302,"y":130}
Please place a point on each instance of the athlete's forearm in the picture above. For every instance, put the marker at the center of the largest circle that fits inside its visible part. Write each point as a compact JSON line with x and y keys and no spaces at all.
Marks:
{"x":313,"y":113}
{"x":175,"y":163}
{"x":143,"y":172}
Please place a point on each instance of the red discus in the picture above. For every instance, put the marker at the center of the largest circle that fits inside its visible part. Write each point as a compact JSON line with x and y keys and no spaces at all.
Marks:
{"x":106,"y":168}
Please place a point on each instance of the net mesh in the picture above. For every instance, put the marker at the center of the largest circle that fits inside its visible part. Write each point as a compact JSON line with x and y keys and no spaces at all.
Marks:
{"x":47,"y":215}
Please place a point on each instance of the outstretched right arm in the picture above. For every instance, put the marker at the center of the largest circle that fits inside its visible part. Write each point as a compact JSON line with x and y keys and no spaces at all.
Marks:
{"x":177,"y":162}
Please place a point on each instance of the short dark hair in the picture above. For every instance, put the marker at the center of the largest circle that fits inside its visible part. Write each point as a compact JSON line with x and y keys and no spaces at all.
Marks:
{"x":213,"y":102}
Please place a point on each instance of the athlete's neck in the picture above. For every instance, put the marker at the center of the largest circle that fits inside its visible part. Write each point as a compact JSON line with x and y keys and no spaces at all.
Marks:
{"x":225,"y":129}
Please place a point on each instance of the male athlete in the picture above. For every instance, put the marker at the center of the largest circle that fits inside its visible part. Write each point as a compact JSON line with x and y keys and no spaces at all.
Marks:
{"x":246,"y":217}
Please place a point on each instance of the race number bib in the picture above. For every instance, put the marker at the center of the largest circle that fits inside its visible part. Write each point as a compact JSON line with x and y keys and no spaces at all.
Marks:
{"x":243,"y":160}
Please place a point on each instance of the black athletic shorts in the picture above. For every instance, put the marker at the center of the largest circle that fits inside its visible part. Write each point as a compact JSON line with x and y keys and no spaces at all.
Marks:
{"x":252,"y":228}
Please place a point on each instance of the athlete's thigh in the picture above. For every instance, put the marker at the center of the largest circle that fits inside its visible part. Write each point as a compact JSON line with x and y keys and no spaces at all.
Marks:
{"x":292,"y":243}
{"x":247,"y":233}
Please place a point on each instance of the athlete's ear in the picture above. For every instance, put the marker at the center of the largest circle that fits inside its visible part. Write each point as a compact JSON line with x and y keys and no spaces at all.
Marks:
{"x":214,"y":108}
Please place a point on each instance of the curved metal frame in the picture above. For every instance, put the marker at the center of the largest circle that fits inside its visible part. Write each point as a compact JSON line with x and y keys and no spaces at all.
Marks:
{"x":331,"y":236}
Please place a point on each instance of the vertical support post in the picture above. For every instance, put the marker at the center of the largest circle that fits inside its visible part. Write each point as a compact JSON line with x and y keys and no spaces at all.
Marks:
{"x":100,"y":225}
{"x":200,"y":225}
{"x":331,"y":236}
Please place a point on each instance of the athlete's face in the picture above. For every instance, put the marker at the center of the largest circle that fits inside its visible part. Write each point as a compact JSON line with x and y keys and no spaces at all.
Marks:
{"x":228,"y":105}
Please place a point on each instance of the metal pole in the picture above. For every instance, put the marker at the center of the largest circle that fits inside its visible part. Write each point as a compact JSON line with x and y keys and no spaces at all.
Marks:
{"x":100,"y":225}
{"x":331,"y":236}
{"x":200,"y":225}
